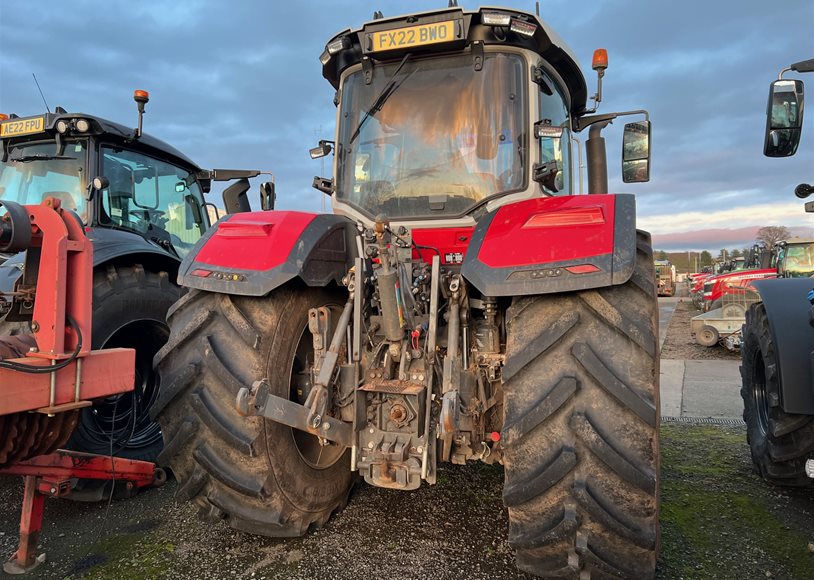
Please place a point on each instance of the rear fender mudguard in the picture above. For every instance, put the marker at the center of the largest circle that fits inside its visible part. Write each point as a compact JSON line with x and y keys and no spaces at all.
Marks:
{"x":793,"y":339}
{"x":553,"y":244}
{"x":254,"y":253}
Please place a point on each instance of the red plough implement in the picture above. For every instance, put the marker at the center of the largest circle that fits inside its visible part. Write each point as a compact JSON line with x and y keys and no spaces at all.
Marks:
{"x":46,"y":377}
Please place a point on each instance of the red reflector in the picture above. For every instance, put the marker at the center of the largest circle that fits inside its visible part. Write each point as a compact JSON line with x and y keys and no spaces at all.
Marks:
{"x":580,"y":216}
{"x":582,"y":269}
{"x":495,"y":436}
{"x":201,"y":273}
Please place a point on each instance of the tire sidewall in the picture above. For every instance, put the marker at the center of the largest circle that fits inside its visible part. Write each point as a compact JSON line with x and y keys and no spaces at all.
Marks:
{"x":307,"y":488}
{"x":138,"y":296}
{"x":751,"y":349}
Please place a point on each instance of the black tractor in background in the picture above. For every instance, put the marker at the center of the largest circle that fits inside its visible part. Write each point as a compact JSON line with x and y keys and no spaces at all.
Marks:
{"x":142,"y":203}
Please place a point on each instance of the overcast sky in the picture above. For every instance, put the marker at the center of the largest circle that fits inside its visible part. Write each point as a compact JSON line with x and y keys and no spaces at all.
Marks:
{"x":238,"y":84}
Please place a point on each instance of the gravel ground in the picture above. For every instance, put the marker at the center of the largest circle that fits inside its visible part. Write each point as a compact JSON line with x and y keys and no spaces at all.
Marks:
{"x":680,"y":344}
{"x":718,"y":520}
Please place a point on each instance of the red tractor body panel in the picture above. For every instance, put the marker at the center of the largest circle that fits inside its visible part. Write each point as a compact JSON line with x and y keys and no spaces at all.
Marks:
{"x":452,"y":243}
{"x":724,"y":282}
{"x":535,"y":246}
{"x":549,"y":230}
{"x":553,"y":244}
{"x":254,"y":241}
{"x":253,"y":253}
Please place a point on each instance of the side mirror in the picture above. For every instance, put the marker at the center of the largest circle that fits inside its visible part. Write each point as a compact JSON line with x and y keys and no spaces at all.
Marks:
{"x":324,"y":148}
{"x":784,"y":118}
{"x":636,"y":152}
{"x":267,"y":195}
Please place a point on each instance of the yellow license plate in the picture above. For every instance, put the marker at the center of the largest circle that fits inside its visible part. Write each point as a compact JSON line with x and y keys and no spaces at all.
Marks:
{"x":17,"y":127}
{"x":409,"y":36}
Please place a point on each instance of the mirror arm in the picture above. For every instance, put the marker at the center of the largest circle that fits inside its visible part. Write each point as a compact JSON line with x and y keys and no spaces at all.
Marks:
{"x":804,"y":66}
{"x":582,"y":122}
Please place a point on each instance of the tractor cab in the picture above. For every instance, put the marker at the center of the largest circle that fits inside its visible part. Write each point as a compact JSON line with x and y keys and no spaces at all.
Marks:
{"x":143,"y":186}
{"x":113,"y":177}
{"x":446,"y":115}
{"x":795,"y":258}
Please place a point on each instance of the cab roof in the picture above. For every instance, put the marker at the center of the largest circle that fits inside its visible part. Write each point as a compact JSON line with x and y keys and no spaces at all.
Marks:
{"x":355,"y":44}
{"x":108,"y":130}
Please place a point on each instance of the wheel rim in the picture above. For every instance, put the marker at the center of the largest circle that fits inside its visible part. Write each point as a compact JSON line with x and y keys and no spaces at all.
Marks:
{"x":314,"y":454}
{"x":708,"y":337}
{"x":123,"y":421}
{"x":759,"y":396}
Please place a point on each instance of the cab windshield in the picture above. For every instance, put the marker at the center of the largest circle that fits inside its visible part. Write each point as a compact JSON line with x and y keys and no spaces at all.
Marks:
{"x":33,"y":172}
{"x":445,"y":138}
{"x":799,"y":260}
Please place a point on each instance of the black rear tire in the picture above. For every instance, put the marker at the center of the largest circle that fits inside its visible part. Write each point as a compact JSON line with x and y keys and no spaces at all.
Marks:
{"x":581,"y":429}
{"x":130,"y":306}
{"x":779,"y":442}
{"x":250,"y":471}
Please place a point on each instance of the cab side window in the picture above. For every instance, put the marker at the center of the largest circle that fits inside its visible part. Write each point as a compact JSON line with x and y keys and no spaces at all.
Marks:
{"x":151,"y":197}
{"x":553,"y":111}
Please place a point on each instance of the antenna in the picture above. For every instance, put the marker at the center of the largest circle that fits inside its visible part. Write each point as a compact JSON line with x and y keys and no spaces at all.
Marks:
{"x":537,"y":9}
{"x":47,"y":108}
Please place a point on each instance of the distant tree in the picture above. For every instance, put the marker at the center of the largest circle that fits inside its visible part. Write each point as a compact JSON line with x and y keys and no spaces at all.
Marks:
{"x":770,"y":235}
{"x":736,"y":253}
{"x":723,"y":254}
{"x":706,"y":259}
{"x":661,"y":255}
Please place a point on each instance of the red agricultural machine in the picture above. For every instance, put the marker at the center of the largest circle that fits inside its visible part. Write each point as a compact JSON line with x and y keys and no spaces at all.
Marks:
{"x":461,"y":304}
{"x":47,"y":377}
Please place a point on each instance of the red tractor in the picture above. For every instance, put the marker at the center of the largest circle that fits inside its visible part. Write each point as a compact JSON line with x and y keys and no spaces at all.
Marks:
{"x":460,"y":304}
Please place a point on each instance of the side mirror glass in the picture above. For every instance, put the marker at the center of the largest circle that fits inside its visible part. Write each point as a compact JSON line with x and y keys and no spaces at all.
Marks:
{"x":267,"y":195}
{"x":324,"y":148}
{"x":784,"y":118}
{"x":636,"y":152}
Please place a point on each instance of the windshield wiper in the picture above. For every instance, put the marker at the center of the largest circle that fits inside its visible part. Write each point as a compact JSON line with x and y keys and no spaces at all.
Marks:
{"x":26,"y":158}
{"x":390,"y":88}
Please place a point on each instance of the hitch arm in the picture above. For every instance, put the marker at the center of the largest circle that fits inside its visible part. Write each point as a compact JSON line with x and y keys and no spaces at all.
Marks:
{"x":257,"y":401}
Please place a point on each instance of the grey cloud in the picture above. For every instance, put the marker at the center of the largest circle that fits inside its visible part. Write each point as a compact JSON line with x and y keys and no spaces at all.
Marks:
{"x":239,"y":84}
